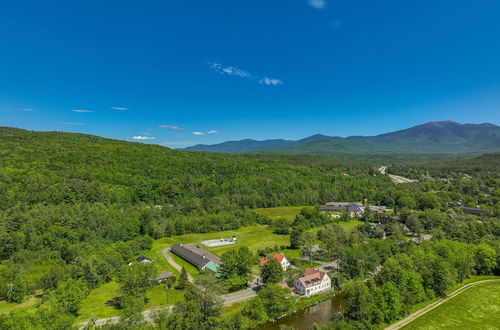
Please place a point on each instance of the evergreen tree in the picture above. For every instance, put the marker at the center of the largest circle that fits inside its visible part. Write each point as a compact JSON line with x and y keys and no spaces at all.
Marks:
{"x":183,"y":280}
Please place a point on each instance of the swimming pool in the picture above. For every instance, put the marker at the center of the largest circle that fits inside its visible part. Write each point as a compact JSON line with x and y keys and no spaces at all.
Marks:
{"x":218,"y":242}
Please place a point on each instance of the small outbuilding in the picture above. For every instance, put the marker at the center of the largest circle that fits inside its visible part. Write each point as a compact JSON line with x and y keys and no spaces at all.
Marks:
{"x":143,"y":259}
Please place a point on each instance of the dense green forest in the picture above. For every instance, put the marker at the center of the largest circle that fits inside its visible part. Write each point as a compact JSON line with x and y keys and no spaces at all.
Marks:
{"x":75,"y":208}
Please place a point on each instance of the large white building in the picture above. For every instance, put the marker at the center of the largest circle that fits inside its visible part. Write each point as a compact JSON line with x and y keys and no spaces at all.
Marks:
{"x":313,"y":281}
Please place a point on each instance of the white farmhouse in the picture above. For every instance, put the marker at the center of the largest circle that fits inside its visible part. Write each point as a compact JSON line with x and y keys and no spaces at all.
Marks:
{"x":278,"y":256}
{"x":312,"y":282}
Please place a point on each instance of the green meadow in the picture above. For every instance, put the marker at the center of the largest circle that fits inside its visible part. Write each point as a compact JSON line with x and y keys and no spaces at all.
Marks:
{"x":475,"y":308}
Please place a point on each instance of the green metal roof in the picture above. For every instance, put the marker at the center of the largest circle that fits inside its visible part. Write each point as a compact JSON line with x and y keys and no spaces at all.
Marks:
{"x":213,"y":267}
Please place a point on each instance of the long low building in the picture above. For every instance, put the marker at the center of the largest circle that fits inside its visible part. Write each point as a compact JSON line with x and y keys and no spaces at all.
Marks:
{"x":201,"y":259}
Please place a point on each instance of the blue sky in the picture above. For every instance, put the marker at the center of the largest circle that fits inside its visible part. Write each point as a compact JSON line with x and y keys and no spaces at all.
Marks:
{"x":179,"y":73}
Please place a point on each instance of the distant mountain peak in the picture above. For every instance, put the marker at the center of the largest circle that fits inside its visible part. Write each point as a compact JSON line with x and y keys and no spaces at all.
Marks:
{"x":446,"y":136}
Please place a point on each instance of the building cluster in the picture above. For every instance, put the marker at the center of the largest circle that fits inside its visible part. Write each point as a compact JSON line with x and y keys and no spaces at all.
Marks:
{"x":354,"y":209}
{"x":313,"y":281}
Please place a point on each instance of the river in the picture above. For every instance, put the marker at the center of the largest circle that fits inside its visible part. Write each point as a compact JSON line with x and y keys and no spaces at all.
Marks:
{"x":303,"y":319}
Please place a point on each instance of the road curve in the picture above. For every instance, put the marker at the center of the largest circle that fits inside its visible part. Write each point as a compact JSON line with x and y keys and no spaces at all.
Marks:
{"x":428,"y":308}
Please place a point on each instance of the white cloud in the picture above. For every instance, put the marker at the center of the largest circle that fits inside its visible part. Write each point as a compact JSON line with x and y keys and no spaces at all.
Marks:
{"x":143,"y":137}
{"x":230,"y":70}
{"x":198,"y":133}
{"x":81,"y":111}
{"x":213,"y":132}
{"x":234,"y":71}
{"x":172,"y":127}
{"x":318,"y":4}
{"x":271,"y":81}
{"x":28,"y":109}
{"x":119,"y":108}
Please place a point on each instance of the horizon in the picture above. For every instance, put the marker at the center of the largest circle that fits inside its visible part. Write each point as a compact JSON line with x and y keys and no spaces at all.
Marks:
{"x":173,"y":74}
{"x":250,"y":139}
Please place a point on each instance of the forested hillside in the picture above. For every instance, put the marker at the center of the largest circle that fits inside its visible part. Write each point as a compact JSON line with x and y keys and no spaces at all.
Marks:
{"x":442,"y":137}
{"x":75,"y":208}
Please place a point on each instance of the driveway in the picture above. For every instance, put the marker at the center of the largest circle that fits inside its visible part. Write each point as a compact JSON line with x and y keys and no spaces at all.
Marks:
{"x":171,"y":261}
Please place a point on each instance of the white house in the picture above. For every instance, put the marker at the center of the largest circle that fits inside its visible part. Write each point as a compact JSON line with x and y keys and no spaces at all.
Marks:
{"x":278,"y":256}
{"x":312,"y":282}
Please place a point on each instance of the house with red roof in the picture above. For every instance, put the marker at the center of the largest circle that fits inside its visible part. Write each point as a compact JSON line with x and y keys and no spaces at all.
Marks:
{"x":313,"y":282}
{"x":278,"y":256}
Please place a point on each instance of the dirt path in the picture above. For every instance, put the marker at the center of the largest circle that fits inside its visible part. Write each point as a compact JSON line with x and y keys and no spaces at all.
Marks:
{"x":171,"y":261}
{"x":428,"y":308}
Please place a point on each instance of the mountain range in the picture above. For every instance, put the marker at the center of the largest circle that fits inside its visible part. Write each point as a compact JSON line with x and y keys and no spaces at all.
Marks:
{"x":432,"y":137}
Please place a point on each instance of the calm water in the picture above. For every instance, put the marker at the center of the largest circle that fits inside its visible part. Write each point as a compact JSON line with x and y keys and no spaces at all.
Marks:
{"x":305,"y":318}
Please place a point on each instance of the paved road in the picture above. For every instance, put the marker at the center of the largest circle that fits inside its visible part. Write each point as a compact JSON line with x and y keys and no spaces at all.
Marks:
{"x":428,"y":308}
{"x":327,"y":266}
{"x":395,"y":178}
{"x":238,"y":296}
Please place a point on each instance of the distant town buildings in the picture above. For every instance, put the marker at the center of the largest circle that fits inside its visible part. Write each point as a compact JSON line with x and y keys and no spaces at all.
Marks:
{"x":313,"y":282}
{"x":284,"y":262}
{"x":354,"y":209}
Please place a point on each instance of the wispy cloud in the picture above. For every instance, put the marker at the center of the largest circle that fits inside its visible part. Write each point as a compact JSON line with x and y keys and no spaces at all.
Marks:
{"x":271,"y":81}
{"x":172,"y":127}
{"x":82,"y":110}
{"x":143,"y":137}
{"x":318,"y":4}
{"x":230,"y":70}
{"x":234,"y":71}
{"x":28,"y":109}
{"x":198,"y":133}
{"x":68,"y":123}
{"x":213,"y":132}
{"x":119,"y":108}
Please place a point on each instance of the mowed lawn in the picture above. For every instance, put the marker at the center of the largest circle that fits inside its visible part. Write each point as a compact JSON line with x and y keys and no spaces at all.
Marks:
{"x":253,"y":237}
{"x":475,"y":308}
{"x":288,"y":212}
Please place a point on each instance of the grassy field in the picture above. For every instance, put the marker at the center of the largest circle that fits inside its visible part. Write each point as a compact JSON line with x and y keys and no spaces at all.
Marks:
{"x":99,"y":303}
{"x":475,"y":308}
{"x":288,"y":212}
{"x":6,"y":307}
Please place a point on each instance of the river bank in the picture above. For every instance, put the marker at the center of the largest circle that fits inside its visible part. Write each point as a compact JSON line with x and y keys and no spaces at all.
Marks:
{"x":319,"y":309}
